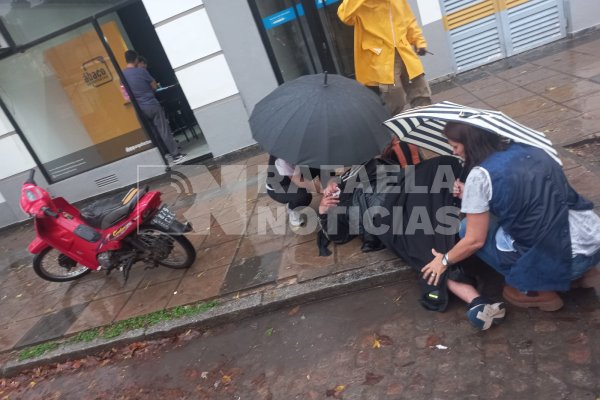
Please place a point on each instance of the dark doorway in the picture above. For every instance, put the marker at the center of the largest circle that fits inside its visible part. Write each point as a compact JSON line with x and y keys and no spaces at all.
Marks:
{"x":145,"y":41}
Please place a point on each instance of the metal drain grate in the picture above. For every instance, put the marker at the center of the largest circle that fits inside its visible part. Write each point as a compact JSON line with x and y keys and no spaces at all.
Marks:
{"x":107,"y":180}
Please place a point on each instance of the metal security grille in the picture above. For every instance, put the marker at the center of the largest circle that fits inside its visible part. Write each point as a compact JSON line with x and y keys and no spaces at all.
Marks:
{"x":534,"y":23}
{"x":483,"y":31}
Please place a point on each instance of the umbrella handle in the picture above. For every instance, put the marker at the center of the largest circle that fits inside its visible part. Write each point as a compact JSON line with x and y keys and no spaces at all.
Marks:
{"x":325,"y":79}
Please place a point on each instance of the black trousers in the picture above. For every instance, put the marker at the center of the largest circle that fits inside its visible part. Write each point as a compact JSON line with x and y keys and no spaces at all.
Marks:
{"x":293,"y":196}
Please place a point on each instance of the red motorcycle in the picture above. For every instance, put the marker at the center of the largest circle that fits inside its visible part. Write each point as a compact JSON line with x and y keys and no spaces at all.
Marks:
{"x":110,"y":233}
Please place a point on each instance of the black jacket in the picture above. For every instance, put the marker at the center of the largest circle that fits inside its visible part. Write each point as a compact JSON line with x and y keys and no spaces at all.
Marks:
{"x":419,"y":215}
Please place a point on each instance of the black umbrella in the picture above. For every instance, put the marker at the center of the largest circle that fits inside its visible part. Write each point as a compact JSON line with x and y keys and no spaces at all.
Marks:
{"x":320,"y":120}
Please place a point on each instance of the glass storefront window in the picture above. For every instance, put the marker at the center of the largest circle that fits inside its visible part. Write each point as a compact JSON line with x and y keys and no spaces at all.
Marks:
{"x":27,"y":20}
{"x":65,"y":96}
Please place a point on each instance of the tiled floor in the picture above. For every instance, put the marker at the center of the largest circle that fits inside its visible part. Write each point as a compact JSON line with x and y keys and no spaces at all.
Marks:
{"x":242,"y":237}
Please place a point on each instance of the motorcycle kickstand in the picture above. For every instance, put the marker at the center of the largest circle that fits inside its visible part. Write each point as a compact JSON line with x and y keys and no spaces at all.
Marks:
{"x":153,"y":266}
{"x":126,"y":268}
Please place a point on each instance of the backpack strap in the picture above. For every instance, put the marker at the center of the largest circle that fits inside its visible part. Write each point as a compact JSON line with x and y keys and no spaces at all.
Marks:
{"x":400,"y":150}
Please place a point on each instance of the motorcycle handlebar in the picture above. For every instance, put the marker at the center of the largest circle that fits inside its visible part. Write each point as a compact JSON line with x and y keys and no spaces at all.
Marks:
{"x":49,"y":212}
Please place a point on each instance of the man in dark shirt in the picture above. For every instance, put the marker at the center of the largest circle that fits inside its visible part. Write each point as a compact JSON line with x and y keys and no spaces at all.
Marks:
{"x":142,"y":86}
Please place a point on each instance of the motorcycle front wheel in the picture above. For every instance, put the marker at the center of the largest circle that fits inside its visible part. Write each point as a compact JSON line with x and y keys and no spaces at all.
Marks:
{"x":169,"y":250}
{"x":54,"y":266}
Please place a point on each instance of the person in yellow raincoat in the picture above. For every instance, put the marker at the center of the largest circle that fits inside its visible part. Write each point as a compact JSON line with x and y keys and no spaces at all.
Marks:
{"x":387,"y":45}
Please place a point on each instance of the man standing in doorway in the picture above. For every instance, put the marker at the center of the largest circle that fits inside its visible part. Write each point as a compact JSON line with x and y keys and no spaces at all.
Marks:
{"x":142,"y":86}
{"x":387,"y":45}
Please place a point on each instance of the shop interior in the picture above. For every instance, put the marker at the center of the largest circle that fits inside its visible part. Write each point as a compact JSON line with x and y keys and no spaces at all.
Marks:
{"x":142,"y":38}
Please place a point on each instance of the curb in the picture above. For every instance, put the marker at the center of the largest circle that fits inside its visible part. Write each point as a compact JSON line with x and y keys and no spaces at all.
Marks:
{"x":230,"y":311}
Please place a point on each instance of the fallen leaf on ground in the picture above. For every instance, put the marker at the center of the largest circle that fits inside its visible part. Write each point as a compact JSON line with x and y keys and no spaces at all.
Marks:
{"x":335,"y":392}
{"x":294,"y":311}
{"x":381,"y":340}
{"x":269,"y":332}
{"x":384,"y":340}
{"x":432,"y":340}
{"x":372,"y":379}
{"x":192,"y":373}
{"x":226,"y":379}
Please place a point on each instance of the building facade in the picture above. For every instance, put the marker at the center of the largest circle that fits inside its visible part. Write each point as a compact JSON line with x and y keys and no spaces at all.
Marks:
{"x":62,"y":106}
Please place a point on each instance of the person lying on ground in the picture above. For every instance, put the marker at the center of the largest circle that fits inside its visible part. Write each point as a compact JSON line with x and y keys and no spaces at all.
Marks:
{"x":408,"y":210}
{"x":523,"y":219}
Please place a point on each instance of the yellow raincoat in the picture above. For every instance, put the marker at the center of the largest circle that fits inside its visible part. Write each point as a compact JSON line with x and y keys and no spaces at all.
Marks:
{"x":379,"y":27}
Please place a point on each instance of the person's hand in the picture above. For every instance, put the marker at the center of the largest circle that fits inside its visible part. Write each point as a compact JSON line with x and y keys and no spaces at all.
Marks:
{"x":458,"y":189}
{"x":422,"y":51}
{"x":330,"y":189}
{"x":326,"y":203}
{"x":434,"y":269}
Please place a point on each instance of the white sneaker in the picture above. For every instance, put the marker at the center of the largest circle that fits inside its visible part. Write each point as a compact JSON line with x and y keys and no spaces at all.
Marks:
{"x":295,"y":218}
{"x":179,"y":158}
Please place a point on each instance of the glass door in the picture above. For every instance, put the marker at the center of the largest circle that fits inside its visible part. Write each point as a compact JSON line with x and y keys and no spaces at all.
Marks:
{"x":339,"y":37}
{"x":284,"y":26}
{"x":305,"y":37}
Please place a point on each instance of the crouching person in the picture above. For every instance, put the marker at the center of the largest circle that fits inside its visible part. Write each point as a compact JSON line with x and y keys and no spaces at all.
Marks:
{"x":287,"y":185}
{"x":524,"y":220}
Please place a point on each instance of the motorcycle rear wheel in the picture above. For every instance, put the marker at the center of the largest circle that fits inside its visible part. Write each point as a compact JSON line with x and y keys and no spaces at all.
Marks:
{"x":181,"y":256}
{"x":66,"y":269}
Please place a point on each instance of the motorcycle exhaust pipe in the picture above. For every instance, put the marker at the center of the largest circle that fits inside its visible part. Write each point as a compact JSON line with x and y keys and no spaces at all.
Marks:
{"x":180,"y":228}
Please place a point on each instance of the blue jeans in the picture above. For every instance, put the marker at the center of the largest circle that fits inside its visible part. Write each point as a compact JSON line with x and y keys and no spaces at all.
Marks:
{"x":497,"y":259}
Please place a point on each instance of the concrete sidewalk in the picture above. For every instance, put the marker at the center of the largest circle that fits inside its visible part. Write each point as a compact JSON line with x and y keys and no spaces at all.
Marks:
{"x":246,"y":249}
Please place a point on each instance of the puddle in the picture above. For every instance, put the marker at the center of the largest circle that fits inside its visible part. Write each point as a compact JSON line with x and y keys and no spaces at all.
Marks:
{"x":588,"y":150}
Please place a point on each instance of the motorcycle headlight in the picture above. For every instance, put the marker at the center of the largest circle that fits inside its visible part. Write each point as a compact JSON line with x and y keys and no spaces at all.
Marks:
{"x":30,"y":195}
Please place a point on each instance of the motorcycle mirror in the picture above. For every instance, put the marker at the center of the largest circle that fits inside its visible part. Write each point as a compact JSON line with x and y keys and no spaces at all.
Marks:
{"x":31,"y":174}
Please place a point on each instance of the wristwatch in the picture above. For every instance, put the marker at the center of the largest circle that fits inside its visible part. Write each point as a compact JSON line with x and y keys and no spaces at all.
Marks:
{"x":445,"y":261}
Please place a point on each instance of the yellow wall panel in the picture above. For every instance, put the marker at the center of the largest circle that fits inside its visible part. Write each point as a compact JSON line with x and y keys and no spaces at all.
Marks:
{"x":92,"y":84}
{"x":467,"y":15}
{"x":478,"y":11}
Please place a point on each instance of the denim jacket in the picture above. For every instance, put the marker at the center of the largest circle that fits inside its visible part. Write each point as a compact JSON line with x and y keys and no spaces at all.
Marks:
{"x":531,"y":198}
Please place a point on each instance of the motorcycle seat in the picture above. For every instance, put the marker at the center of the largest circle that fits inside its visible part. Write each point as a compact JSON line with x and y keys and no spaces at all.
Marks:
{"x":104,"y":213}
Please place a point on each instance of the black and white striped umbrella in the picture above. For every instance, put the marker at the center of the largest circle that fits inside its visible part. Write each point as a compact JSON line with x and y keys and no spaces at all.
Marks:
{"x":423,"y":127}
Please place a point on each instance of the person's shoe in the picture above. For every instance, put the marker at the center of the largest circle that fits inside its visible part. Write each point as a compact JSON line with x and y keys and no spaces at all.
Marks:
{"x":545,"y":301}
{"x":368,"y":247}
{"x":179,"y":158}
{"x":295,"y":218}
{"x":590,"y":279}
{"x":482,"y":314}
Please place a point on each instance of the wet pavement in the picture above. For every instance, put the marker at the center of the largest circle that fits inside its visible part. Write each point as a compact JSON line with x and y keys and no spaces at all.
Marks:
{"x":242,"y":238}
{"x":374,"y":345}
